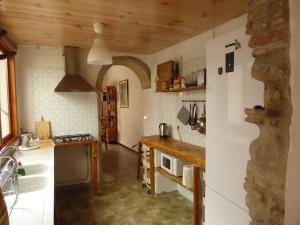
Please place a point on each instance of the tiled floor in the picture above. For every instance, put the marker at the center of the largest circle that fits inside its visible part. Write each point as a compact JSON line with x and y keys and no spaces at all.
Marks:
{"x":121,"y":200}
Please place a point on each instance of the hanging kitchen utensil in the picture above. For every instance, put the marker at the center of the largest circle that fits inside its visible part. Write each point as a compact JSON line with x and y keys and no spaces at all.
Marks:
{"x":191,"y":121}
{"x":195,"y":113}
{"x":183,"y":115}
{"x":194,"y":117}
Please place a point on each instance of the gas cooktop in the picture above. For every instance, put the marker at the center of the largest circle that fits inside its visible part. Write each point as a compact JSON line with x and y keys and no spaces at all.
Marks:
{"x":73,"y":138}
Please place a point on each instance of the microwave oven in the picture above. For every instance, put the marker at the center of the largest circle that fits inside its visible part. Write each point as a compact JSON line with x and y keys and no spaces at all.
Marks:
{"x":172,"y":164}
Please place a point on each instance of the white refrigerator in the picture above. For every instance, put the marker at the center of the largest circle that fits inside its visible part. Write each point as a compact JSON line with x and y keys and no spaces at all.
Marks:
{"x":228,"y":136}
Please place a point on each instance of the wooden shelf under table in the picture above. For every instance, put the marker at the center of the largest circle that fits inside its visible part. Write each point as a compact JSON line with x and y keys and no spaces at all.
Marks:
{"x":176,"y":179}
{"x":194,"y":88}
{"x":185,"y":151}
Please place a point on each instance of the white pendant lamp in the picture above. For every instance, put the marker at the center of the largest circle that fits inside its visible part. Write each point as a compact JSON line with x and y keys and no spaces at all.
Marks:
{"x":99,"y":54}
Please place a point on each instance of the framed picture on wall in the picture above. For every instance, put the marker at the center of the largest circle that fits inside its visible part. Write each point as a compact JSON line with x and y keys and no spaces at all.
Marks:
{"x":124,"y":94}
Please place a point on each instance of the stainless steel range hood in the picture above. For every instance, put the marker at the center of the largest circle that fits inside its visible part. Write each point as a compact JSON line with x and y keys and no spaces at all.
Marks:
{"x":72,"y":81}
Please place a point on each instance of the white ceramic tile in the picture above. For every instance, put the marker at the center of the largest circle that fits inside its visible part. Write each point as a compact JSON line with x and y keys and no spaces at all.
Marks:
{"x":69,"y":113}
{"x":171,"y":103}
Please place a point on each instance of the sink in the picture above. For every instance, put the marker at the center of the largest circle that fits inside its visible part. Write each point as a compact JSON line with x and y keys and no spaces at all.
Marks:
{"x":34,"y":179}
{"x":32,"y":183}
{"x":34,"y":169}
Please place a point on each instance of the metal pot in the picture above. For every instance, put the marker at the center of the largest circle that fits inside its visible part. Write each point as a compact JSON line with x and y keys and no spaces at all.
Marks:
{"x":163,"y":130}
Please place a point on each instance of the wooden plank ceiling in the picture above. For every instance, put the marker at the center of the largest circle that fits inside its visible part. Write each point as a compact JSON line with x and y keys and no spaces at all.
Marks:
{"x":134,"y":26}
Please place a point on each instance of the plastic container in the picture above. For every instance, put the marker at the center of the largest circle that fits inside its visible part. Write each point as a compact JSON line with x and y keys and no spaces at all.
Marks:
{"x":187,"y":177}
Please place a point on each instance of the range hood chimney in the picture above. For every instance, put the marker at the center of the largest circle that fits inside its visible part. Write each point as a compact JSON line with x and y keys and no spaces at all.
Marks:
{"x":72,"y":81}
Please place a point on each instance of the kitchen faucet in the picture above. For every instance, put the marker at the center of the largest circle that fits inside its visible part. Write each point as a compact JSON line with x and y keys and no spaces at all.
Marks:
{"x":9,"y":149}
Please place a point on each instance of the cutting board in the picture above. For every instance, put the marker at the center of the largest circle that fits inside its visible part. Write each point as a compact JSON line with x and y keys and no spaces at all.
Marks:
{"x":42,"y":129}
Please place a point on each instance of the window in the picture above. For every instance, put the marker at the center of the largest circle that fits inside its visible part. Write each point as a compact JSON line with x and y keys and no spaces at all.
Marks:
{"x":8,"y":108}
{"x":4,"y":101}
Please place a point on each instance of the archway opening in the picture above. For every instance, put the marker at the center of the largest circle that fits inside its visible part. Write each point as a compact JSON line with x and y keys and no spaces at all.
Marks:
{"x":138,"y":75}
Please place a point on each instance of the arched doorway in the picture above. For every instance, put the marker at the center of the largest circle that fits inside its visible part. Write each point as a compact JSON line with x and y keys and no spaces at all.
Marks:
{"x":139,"y":67}
{"x":143,"y":73}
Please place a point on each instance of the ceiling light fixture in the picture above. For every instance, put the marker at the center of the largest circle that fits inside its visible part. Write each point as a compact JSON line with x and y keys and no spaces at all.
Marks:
{"x":99,"y":54}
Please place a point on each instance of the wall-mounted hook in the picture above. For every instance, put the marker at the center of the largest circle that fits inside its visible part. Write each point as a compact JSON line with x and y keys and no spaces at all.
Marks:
{"x":236,"y":44}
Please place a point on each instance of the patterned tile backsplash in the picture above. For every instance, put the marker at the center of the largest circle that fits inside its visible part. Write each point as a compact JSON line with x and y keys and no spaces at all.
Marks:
{"x":40,"y":70}
{"x":69,"y":113}
{"x":170,"y":104}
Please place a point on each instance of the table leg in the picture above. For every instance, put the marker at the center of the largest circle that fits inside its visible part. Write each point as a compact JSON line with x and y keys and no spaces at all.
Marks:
{"x":139,"y":160}
{"x":152,"y":172}
{"x":197,"y":196}
{"x":94,"y":168}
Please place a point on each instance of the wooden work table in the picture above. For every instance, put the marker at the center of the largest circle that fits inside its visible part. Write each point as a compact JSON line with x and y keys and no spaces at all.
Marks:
{"x":180,"y":150}
{"x":94,"y":158}
{"x":188,"y":152}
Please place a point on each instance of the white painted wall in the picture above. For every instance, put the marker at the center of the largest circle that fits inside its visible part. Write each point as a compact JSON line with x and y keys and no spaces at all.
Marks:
{"x":130,"y":120}
{"x":293,"y":179}
{"x":163,"y":107}
{"x":39,"y":70}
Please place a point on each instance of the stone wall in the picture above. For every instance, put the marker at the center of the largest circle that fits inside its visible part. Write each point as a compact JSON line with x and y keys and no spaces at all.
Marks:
{"x":268,"y":27}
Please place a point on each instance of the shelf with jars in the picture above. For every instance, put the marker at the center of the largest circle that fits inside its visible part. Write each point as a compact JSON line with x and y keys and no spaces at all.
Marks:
{"x":171,"y":79}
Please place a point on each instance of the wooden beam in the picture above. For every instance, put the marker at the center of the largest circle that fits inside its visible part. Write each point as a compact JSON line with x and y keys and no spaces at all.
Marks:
{"x":197,"y":196}
{"x":152,"y":172}
{"x":140,"y":152}
{"x":9,"y":45}
{"x":7,"y":55}
{"x":94,"y":168}
{"x":74,"y":143}
{"x":13,"y":96}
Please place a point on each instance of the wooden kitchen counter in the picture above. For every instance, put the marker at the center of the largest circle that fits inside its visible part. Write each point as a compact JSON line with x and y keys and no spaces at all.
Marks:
{"x":180,"y":150}
{"x":188,"y":152}
{"x":72,"y":143}
{"x":94,"y":157}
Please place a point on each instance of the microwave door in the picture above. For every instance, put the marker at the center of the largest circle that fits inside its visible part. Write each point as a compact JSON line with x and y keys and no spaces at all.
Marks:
{"x":166,"y":163}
